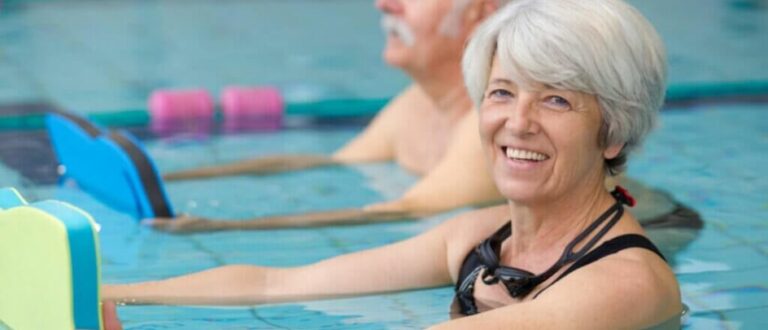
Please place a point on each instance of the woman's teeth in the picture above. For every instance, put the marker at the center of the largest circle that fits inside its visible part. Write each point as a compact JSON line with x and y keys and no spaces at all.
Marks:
{"x":519,"y":154}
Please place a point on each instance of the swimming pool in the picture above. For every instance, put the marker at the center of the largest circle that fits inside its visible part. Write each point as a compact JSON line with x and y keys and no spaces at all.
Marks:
{"x":710,"y":156}
{"x":721,"y":271}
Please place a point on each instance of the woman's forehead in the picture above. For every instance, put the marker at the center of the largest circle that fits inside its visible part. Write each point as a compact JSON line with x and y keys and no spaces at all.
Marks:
{"x":500,"y":75}
{"x":506,"y":69}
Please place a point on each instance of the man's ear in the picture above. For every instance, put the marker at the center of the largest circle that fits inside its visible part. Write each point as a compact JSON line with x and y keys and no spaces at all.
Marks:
{"x":489,"y":7}
{"x":479,"y":10}
{"x":612,"y":151}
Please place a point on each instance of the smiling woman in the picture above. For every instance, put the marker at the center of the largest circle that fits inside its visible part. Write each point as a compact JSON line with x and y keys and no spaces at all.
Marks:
{"x":541,"y":139}
{"x":565,"y":90}
{"x":621,"y":64}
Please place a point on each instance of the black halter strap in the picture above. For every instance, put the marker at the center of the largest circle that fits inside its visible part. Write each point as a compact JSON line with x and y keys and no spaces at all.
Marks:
{"x":520,"y":282}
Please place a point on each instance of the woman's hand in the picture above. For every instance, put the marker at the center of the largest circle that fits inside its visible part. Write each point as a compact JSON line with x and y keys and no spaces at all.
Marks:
{"x":109,"y":314}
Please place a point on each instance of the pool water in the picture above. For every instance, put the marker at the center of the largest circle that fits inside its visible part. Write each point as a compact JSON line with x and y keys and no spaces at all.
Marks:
{"x":710,"y":156}
{"x":713,"y":157}
{"x":105,"y":56}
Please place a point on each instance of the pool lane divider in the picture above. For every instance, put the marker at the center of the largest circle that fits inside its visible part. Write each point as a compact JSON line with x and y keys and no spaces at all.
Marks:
{"x":29,"y":119}
{"x":110,"y":165}
{"x":241,"y":108}
{"x":49,"y":256}
{"x":134,"y":117}
{"x":717,"y":90}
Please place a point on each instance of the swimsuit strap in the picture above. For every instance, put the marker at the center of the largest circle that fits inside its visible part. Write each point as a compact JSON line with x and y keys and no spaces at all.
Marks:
{"x":520,"y":282}
{"x":611,"y":246}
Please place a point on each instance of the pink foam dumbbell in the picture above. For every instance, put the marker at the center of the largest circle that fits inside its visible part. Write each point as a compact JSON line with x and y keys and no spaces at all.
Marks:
{"x":178,"y":104}
{"x":252,"y":108}
{"x":189,"y":110}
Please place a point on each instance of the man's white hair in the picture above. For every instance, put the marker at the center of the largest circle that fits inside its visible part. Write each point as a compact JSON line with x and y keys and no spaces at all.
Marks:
{"x":451,"y":24}
{"x":600,"y":47}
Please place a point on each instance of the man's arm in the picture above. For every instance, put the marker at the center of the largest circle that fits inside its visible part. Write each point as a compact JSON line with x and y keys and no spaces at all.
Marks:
{"x":460,"y":179}
{"x":375,"y":143}
{"x":413,"y":263}
{"x":263,"y":165}
{"x":190,"y":224}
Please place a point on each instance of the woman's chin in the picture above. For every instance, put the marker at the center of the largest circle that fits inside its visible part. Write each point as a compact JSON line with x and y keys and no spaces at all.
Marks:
{"x":520,"y":193}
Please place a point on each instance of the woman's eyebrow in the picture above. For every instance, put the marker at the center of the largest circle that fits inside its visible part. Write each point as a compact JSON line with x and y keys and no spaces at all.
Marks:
{"x":502,"y":81}
{"x":560,"y":90}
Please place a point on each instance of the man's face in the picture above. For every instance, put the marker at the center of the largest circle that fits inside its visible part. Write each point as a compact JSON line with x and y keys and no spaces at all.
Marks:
{"x":423,"y":34}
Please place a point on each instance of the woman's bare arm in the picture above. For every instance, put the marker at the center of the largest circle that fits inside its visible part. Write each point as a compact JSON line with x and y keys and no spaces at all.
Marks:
{"x":413,"y":263}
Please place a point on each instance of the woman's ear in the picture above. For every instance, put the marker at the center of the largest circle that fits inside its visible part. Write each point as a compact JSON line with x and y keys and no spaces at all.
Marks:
{"x":613,"y":151}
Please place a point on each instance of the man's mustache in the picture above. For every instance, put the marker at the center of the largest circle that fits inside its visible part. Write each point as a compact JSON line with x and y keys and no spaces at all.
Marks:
{"x":393,"y":25}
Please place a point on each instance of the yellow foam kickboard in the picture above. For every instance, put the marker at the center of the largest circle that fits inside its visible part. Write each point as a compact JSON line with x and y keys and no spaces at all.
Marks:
{"x":36,"y":285}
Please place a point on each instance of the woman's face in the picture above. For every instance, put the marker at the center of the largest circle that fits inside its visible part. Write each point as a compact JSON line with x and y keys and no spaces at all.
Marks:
{"x":541,"y":142}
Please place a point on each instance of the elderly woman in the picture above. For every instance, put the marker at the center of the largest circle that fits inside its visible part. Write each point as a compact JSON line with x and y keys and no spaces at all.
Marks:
{"x":565,"y":90}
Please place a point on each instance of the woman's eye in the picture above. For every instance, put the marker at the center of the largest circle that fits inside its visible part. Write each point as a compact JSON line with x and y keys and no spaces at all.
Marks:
{"x":558,"y":102}
{"x":499,"y":94}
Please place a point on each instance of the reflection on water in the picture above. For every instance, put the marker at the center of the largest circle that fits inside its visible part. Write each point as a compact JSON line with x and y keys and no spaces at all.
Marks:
{"x":734,"y":17}
{"x":747,"y":4}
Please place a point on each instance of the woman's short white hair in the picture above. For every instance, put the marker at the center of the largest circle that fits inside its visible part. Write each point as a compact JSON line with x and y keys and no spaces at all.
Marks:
{"x":600,"y":47}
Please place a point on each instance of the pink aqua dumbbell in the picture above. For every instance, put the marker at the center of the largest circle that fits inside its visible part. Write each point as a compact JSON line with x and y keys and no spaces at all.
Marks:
{"x":180,"y":104}
{"x":189,"y":111}
{"x":248,"y":108}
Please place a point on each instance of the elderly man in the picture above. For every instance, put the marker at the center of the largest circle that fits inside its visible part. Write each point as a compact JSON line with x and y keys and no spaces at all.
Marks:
{"x":429,"y":128}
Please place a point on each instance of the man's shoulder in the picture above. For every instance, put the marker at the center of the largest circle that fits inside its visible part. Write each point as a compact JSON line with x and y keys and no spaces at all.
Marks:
{"x":469,"y":121}
{"x":466,"y":137}
{"x":406,"y":102}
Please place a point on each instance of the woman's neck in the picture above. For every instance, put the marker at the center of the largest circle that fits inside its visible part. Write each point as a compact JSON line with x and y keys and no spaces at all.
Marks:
{"x":548,"y":229}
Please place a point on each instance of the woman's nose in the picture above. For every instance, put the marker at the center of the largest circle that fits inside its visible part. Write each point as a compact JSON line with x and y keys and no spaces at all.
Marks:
{"x":521,"y":118}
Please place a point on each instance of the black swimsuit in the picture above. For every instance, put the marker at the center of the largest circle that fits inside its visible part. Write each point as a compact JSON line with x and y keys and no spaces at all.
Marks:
{"x":475,"y":265}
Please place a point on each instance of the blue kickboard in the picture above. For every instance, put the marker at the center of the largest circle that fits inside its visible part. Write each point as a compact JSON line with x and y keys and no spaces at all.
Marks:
{"x":112,"y":166}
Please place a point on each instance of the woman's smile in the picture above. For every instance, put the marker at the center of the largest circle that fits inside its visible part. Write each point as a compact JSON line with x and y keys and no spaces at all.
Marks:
{"x":520,"y":158}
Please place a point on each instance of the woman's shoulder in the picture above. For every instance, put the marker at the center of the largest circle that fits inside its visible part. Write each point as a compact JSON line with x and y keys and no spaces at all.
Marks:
{"x":645,"y":276}
{"x":465,"y":231}
{"x":635,"y":287}
{"x":639,"y":269}
{"x":478,"y":221}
